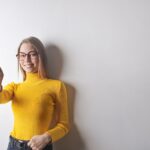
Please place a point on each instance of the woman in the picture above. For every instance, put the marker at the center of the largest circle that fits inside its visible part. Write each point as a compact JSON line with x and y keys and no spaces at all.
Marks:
{"x":36,"y":102}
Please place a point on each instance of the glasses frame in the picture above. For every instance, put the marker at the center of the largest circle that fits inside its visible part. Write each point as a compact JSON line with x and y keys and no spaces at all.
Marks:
{"x":27,"y":54}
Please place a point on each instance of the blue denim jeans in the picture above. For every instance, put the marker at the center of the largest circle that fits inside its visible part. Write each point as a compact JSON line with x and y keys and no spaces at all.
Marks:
{"x":15,"y":144}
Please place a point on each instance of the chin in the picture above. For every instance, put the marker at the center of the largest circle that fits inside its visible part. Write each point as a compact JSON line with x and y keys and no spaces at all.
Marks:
{"x":30,"y":71}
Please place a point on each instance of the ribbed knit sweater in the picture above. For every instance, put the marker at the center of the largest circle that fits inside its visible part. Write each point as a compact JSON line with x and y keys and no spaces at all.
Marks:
{"x":36,"y":103}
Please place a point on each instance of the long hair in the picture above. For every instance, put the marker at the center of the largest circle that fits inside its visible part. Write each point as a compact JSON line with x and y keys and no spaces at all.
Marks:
{"x":39,"y":47}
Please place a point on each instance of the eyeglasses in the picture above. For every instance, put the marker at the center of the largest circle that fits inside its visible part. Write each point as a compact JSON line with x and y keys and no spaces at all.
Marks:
{"x":32,"y":55}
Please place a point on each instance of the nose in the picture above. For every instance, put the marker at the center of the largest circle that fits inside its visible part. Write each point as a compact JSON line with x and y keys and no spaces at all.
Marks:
{"x":27,"y":58}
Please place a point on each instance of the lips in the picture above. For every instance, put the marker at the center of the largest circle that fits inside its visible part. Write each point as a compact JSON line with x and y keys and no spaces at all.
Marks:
{"x":29,"y":65}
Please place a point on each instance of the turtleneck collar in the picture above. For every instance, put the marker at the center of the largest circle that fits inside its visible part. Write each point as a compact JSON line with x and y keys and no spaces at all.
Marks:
{"x":32,"y":77}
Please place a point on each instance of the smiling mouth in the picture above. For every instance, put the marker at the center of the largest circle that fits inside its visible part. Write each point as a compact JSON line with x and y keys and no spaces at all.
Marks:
{"x":28,"y":66}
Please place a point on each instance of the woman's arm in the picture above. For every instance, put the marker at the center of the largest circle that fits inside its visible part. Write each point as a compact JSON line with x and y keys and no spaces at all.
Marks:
{"x":6,"y":93}
{"x":62,"y":126}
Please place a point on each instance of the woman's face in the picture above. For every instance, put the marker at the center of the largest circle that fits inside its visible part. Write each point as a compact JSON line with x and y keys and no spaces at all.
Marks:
{"x":28,"y":58}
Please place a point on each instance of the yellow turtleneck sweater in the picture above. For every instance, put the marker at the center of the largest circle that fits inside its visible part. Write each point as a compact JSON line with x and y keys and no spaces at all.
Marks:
{"x":35,"y":102}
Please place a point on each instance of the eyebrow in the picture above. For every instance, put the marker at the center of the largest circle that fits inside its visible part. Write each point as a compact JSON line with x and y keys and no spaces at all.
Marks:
{"x":28,"y":52}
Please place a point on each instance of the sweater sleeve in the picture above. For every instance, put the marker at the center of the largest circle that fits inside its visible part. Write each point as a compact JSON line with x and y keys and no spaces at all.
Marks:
{"x":62,"y":126}
{"x":7,"y":93}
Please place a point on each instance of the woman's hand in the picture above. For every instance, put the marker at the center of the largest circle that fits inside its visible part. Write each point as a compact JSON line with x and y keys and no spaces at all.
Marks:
{"x":38,"y":142}
{"x":1,"y":75}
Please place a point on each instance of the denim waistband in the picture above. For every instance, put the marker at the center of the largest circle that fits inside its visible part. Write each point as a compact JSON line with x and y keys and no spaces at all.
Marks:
{"x":20,"y":144}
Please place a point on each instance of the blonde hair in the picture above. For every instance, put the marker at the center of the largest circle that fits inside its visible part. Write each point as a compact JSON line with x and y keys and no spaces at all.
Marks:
{"x":39,"y":47}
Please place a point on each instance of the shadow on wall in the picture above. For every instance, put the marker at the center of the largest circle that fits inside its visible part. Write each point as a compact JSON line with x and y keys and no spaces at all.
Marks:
{"x":73,"y":140}
{"x":54,"y":61}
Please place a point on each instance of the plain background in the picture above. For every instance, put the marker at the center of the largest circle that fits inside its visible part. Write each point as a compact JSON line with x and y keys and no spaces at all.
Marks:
{"x":101,"y":50}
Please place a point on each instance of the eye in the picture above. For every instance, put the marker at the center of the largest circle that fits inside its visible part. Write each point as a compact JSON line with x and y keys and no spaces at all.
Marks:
{"x":22,"y":55}
{"x":33,"y":54}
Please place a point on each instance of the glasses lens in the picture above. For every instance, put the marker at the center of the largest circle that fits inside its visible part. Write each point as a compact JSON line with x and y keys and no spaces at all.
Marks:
{"x":32,"y":55}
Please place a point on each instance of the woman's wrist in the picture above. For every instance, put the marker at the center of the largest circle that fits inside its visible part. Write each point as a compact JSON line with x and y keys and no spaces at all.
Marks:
{"x":48,"y":137}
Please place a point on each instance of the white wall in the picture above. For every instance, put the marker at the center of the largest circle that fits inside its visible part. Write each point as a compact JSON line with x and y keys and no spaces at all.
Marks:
{"x":102,"y":50}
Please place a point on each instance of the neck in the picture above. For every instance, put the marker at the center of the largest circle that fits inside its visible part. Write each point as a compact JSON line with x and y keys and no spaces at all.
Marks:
{"x":32,"y":77}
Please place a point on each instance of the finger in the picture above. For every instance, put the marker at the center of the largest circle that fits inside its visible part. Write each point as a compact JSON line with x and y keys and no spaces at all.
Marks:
{"x":29,"y":143}
{"x":41,"y":146}
{"x":0,"y":69}
{"x":34,"y":148}
{"x":32,"y":145}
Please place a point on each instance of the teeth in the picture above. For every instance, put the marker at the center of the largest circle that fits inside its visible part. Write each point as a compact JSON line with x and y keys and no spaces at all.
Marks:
{"x":28,"y":65}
